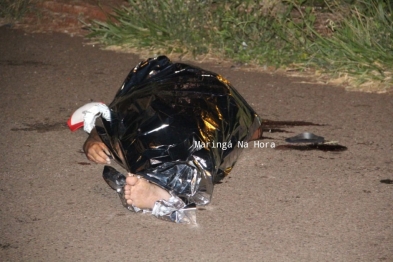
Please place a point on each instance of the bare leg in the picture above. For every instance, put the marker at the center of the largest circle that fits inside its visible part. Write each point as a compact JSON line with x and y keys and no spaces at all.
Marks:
{"x":142,"y":194}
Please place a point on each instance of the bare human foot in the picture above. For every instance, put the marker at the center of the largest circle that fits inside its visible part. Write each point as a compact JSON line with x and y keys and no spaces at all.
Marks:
{"x":142,"y":194}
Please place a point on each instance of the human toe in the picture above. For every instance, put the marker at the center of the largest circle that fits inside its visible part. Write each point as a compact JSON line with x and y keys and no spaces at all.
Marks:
{"x":131,"y":180}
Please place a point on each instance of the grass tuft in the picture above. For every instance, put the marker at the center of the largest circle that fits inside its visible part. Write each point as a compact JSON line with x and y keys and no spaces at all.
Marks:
{"x":14,"y":9}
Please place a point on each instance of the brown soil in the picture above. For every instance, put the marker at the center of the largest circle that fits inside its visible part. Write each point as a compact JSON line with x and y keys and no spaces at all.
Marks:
{"x":66,"y":16}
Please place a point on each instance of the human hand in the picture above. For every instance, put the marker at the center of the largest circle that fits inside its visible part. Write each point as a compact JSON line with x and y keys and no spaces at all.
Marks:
{"x":95,"y":150}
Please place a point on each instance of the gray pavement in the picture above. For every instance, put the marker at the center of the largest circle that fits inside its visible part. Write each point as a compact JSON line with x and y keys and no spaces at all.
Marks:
{"x":276,"y":205}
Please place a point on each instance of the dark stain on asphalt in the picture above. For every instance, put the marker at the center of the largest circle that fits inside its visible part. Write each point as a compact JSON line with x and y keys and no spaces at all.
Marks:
{"x":22,"y":63}
{"x":270,"y":123}
{"x":42,"y":127}
{"x":307,"y":147}
{"x":7,"y":246}
{"x":386,"y":181}
{"x":84,"y":163}
{"x":272,"y":126}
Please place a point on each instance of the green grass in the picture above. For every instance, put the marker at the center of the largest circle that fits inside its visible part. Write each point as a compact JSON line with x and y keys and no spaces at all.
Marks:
{"x":361,"y":46}
{"x":346,"y":38}
{"x":14,"y":9}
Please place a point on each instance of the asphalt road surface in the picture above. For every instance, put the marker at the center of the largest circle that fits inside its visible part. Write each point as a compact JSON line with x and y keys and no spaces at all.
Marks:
{"x":290,"y":203}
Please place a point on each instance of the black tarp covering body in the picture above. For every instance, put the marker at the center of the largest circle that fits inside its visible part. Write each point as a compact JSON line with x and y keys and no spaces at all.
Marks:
{"x":178,"y":126}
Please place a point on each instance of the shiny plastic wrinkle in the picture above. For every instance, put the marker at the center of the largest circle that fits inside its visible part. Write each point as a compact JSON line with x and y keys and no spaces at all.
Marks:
{"x":178,"y":126}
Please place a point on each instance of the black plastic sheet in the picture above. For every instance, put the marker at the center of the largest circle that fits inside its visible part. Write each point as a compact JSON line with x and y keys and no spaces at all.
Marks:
{"x":178,"y":126}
